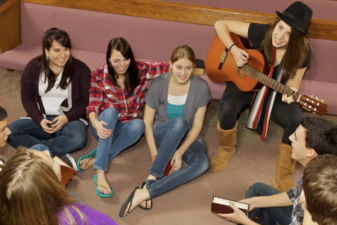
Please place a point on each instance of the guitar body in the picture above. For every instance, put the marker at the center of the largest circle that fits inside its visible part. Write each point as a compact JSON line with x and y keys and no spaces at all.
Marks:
{"x":229,"y":70}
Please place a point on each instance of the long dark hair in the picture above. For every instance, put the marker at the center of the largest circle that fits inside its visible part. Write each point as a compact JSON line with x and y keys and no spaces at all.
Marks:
{"x":132,"y":77}
{"x":297,"y":50}
{"x":55,"y":34}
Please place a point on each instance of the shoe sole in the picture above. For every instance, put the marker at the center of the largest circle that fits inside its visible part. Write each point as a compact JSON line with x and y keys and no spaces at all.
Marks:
{"x":73,"y":163}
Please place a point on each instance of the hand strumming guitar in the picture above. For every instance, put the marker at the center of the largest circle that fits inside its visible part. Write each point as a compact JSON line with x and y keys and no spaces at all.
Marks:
{"x":241,"y":56}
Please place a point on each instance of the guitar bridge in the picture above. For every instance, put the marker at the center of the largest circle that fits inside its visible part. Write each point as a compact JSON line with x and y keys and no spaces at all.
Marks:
{"x":223,"y":58}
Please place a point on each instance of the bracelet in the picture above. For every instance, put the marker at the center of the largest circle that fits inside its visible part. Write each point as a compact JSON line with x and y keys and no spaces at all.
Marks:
{"x":231,"y":47}
{"x":153,"y":158}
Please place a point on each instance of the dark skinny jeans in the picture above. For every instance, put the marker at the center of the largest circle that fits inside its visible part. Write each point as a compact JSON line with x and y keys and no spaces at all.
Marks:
{"x":234,"y":101}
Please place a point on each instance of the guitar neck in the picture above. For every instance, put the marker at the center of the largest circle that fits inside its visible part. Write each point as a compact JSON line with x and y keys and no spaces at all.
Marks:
{"x":269,"y":82}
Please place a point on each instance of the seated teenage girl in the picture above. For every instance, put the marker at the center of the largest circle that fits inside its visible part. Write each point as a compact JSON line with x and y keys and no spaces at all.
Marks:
{"x":174,"y":114}
{"x":55,"y":94}
{"x":30,"y":183}
{"x":288,"y":53}
{"x":116,"y":102}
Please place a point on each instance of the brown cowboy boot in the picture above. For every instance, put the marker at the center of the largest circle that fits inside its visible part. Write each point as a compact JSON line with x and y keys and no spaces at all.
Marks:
{"x":227,"y":139}
{"x":285,"y":166}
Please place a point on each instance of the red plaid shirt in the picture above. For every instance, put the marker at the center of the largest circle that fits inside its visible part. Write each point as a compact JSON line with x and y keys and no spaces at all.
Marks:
{"x":104,"y":94}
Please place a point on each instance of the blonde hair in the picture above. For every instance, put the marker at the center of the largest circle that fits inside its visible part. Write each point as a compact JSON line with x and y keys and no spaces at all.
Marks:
{"x":31,"y":194}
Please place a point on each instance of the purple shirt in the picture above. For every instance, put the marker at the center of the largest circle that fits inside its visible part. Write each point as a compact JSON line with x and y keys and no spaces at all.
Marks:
{"x":91,"y":215}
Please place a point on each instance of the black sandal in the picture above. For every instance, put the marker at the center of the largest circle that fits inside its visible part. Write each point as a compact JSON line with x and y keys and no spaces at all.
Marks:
{"x":149,"y":200}
{"x":128,"y":200}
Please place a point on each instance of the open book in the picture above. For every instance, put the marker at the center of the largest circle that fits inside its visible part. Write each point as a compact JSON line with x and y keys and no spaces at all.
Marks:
{"x":220,"y":205}
{"x":67,"y":171}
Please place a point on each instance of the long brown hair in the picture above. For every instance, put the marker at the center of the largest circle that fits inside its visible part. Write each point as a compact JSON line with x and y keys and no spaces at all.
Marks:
{"x":30,"y":192}
{"x":296,"y":53}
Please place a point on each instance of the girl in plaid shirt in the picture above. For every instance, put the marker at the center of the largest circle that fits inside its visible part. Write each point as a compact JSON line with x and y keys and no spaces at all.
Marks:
{"x":115,"y":105}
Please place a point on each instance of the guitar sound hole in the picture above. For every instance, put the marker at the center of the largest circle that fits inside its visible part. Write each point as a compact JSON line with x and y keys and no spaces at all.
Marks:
{"x":242,"y":71}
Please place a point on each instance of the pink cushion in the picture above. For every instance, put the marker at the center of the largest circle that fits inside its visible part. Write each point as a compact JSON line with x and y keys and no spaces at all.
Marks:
{"x":326,"y":91}
{"x":18,"y":57}
{"x":151,"y":39}
{"x":156,"y":39}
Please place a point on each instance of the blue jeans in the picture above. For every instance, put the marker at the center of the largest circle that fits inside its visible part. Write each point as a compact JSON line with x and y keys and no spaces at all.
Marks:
{"x":41,"y":147}
{"x":168,"y":137}
{"x":123,"y":136}
{"x":71,"y":137}
{"x":272,"y":215}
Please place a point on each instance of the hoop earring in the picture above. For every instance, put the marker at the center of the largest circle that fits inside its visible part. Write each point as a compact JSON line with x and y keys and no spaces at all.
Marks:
{"x":47,"y":57}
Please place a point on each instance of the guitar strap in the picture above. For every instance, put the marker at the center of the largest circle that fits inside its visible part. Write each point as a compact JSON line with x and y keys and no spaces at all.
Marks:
{"x":263,"y":101}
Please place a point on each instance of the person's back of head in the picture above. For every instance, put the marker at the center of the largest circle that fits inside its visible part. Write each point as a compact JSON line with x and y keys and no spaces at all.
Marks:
{"x":30,"y":191}
{"x":4,"y":131}
{"x":3,"y":114}
{"x":321,"y":135}
{"x":320,"y":189}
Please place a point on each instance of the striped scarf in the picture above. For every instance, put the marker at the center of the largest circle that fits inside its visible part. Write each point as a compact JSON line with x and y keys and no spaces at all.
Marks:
{"x":263,"y":101}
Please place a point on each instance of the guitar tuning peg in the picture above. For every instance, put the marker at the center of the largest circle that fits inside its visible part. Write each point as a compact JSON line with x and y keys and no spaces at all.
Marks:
{"x":316,"y":98}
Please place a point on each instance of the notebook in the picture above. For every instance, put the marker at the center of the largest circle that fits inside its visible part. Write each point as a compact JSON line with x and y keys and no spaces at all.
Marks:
{"x":67,"y":171}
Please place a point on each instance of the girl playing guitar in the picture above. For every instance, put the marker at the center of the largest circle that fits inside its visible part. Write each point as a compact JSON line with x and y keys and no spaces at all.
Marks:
{"x":288,"y":52}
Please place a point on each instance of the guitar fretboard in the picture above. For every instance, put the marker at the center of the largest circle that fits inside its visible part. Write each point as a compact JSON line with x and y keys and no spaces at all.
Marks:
{"x":269,"y":82}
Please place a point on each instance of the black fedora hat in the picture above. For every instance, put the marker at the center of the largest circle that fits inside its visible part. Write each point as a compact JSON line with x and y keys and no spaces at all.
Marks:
{"x":297,"y":16}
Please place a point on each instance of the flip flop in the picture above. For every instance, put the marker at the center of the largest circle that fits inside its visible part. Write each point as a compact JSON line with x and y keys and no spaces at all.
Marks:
{"x":91,"y":155}
{"x":128,"y":200}
{"x":149,"y":200}
{"x":100,"y":194}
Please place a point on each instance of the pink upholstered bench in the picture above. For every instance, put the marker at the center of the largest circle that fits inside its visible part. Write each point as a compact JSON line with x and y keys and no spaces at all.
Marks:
{"x":151,"y":40}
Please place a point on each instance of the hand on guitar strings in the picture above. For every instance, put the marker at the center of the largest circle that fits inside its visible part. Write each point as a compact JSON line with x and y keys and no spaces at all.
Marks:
{"x":241,"y":57}
{"x":288,"y":98}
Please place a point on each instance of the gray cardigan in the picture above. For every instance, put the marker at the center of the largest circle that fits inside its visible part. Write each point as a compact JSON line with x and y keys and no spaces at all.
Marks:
{"x":156,"y":97}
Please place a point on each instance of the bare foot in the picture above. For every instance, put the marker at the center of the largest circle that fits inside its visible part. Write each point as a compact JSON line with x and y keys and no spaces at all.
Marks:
{"x":102,"y":180}
{"x":140,"y":196}
{"x":87,"y":163}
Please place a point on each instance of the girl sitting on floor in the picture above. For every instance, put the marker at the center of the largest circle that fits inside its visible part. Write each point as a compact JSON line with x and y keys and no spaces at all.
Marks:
{"x":55,"y":94}
{"x":174,"y":114}
{"x":115,"y":106}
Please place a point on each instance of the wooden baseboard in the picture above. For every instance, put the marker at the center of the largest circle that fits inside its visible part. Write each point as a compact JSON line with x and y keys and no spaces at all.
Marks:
{"x":187,"y":13}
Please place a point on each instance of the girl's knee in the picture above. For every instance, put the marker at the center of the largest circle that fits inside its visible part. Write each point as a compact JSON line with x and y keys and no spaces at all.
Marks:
{"x":202,"y":165}
{"x":78,"y":132}
{"x":110,"y":112}
{"x":180,"y":124}
{"x":138,"y":126}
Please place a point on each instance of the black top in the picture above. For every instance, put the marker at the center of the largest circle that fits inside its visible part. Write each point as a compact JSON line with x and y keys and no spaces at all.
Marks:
{"x":257,"y":33}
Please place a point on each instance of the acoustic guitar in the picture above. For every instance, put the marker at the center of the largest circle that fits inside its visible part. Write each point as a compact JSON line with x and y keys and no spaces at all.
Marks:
{"x":221,"y":67}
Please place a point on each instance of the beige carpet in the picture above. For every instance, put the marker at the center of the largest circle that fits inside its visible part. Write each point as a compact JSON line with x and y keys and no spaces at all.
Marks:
{"x":253,"y":162}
